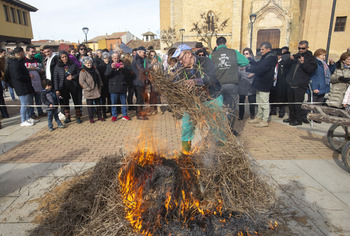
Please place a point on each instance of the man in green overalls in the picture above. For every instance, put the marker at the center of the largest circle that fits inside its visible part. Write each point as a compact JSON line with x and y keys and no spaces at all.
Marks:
{"x":197,"y":71}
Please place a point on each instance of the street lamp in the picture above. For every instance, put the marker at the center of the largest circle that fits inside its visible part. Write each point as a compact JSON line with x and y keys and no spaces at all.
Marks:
{"x":182,"y":31}
{"x":252,"y":18}
{"x":86,"y":31}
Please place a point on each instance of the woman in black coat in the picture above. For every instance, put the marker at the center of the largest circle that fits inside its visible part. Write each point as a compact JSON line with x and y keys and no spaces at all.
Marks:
{"x":66,"y":84}
{"x":105,"y":96}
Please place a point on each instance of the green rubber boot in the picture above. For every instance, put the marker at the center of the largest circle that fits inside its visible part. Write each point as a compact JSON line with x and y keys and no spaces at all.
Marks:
{"x":186,"y":147}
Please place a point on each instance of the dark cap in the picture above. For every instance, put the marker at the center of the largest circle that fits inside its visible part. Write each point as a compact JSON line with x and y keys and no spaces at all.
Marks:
{"x":199,"y":45}
{"x":278,"y":51}
{"x":141,"y":48}
{"x":150,"y":48}
{"x":285,"y":48}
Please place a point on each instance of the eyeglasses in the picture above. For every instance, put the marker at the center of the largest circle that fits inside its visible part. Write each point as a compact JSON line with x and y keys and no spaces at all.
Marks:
{"x":82,"y":49}
{"x":201,"y":55}
{"x":301,"y":48}
{"x":246,"y":53}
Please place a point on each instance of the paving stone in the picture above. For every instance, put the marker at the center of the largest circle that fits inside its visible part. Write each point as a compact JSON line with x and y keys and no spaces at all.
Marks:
{"x":327,"y":173}
{"x":6,"y":167}
{"x":5,"y":202}
{"x":24,"y":208}
{"x":24,"y":174}
{"x":18,"y":229}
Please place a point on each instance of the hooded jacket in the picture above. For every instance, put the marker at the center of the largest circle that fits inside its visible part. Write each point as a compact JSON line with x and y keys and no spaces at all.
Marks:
{"x":48,"y":97}
{"x":20,"y":77}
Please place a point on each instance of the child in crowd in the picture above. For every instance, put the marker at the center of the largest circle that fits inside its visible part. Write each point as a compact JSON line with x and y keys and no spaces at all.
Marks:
{"x":48,"y":97}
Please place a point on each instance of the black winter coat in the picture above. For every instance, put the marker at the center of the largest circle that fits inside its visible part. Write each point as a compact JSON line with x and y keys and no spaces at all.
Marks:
{"x":60,"y":77}
{"x":20,"y":77}
{"x":139,"y":78}
{"x":264,"y":71}
{"x":48,"y":97}
{"x":117,"y":79}
{"x":299,"y":74}
{"x":102,"y":67}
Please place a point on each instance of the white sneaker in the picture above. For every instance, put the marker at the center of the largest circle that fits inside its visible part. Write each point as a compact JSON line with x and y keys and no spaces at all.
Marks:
{"x":26,"y":123}
{"x":31,"y":120}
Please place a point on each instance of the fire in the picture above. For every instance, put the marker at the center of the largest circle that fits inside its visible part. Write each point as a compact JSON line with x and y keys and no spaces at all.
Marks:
{"x":158,"y":191}
{"x":179,"y":202}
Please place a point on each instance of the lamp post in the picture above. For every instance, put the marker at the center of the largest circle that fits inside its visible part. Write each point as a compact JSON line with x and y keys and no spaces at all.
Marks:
{"x":182,"y":31}
{"x":86,"y":31}
{"x":252,"y":18}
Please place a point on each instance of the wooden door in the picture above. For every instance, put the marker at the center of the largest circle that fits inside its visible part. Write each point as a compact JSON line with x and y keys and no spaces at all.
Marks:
{"x":269,"y":35}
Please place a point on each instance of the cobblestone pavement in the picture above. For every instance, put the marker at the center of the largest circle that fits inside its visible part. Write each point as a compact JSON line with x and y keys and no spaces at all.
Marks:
{"x":87,"y":142}
{"x":311,"y":182}
{"x":284,"y":142}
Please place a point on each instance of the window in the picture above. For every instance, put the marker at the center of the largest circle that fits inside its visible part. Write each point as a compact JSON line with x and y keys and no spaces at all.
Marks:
{"x":13,"y":15}
{"x":210,"y":21}
{"x":19,"y":17}
{"x":6,"y":11}
{"x":340,"y":23}
{"x":24,"y":18}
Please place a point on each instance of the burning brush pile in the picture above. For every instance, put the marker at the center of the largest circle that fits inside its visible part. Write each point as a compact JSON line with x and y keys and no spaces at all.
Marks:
{"x":212,"y":190}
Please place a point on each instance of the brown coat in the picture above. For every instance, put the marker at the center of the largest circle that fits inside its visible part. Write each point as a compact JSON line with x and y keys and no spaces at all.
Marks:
{"x":91,"y":90}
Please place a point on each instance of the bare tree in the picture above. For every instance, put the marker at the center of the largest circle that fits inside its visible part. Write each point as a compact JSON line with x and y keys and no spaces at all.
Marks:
{"x":208,"y":27}
{"x":168,"y":36}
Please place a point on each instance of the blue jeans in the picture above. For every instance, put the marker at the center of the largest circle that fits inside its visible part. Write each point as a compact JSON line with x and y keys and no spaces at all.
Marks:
{"x":25,"y":111}
{"x":12,"y":93}
{"x":37,"y":102}
{"x":53,"y":114}
{"x":114,"y":98}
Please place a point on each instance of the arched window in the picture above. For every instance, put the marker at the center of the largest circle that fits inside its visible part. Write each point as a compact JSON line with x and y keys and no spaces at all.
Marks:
{"x":210,"y":21}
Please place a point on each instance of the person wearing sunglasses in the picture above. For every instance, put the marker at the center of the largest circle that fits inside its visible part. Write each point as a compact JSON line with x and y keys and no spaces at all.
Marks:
{"x":82,"y":52}
{"x":302,"y":65}
{"x":66,"y":85}
{"x":202,"y":52}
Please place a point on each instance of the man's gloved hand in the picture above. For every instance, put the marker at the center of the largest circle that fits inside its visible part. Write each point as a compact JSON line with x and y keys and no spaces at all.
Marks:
{"x":343,"y":79}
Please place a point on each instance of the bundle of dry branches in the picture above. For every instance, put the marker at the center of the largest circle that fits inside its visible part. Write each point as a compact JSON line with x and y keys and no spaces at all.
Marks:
{"x":93,"y":204}
{"x":88,"y":204}
{"x":223,"y":163}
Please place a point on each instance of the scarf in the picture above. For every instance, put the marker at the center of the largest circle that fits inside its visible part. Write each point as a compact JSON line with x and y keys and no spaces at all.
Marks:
{"x":327,"y":72}
{"x":94,"y":75}
{"x":48,"y":68}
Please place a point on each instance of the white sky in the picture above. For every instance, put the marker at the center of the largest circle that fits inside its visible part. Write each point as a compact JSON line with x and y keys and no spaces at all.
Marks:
{"x":64,"y":19}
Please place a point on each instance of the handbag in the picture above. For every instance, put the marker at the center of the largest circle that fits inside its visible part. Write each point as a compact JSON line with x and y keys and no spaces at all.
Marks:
{"x":61,"y":116}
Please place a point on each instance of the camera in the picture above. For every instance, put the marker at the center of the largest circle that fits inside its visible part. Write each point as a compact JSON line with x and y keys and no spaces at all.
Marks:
{"x":296,"y":56}
{"x":118,"y":65}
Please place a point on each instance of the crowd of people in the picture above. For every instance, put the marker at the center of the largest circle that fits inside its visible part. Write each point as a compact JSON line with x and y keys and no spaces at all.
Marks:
{"x":270,"y":81}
